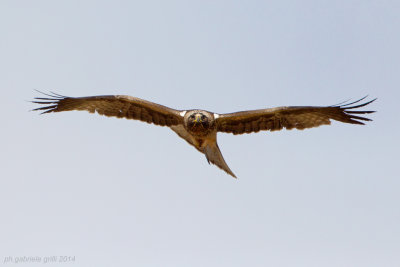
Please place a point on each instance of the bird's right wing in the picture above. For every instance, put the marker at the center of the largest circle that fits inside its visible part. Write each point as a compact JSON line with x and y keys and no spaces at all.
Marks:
{"x":120,"y":106}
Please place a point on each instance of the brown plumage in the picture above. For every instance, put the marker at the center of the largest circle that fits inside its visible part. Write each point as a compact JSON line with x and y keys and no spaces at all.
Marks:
{"x":274,"y":119}
{"x":199,"y":127}
{"x":120,"y":106}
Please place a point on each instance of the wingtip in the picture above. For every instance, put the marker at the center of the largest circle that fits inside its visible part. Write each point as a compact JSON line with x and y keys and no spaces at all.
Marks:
{"x":347,"y":105}
{"x":349,"y":112}
{"x":52,"y":94}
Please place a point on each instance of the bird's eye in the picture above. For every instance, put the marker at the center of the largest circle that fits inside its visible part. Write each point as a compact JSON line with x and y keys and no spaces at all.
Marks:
{"x":203,"y":117}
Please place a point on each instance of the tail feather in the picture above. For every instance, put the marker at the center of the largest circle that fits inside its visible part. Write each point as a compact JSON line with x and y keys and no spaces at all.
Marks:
{"x":214,"y":155}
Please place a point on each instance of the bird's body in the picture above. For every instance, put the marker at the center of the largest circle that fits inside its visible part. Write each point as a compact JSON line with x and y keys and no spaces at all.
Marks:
{"x":199,"y":127}
{"x":200,"y":130}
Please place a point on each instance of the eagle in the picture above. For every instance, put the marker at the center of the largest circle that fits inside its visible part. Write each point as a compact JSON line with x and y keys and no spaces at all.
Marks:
{"x":200,"y":127}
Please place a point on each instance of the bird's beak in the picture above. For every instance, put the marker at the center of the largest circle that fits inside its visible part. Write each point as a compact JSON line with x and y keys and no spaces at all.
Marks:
{"x":198,"y":118}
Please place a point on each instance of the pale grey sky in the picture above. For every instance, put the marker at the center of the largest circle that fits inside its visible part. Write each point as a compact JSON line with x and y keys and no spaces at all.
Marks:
{"x":124,"y":193}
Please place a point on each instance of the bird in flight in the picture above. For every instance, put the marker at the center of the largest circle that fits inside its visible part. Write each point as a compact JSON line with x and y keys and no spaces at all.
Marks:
{"x":200,"y":127}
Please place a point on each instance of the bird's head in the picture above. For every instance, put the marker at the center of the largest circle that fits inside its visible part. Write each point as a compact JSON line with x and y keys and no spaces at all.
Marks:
{"x":198,"y":121}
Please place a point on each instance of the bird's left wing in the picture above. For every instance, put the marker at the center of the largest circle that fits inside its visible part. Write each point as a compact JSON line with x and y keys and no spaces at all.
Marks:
{"x":120,"y":106}
{"x":274,"y":119}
